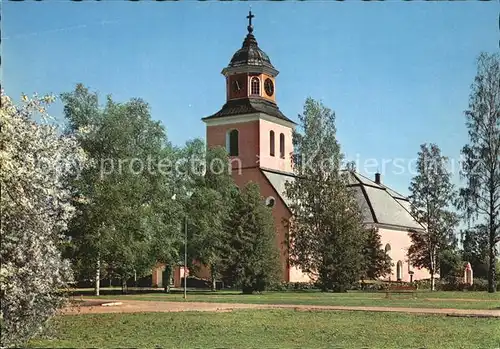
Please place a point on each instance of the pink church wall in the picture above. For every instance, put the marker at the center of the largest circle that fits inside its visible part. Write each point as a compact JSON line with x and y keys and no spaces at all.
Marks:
{"x":248,"y":141}
{"x":400,"y":241}
{"x":249,"y":146}
{"x":265,"y":158}
{"x":297,"y":275}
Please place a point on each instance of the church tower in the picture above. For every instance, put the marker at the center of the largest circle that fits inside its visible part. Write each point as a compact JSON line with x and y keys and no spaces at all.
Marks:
{"x":255,"y":133}
{"x":250,"y":125}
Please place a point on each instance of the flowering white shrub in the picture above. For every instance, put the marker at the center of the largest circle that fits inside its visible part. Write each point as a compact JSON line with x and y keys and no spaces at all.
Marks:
{"x":35,"y":159}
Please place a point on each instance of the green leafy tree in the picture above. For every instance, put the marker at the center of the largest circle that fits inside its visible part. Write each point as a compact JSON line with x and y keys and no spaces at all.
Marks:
{"x":209,"y":210}
{"x":327,"y":236}
{"x":481,"y":165}
{"x":475,"y":250}
{"x":451,"y":264}
{"x":126,"y":220}
{"x":377,"y":262}
{"x":431,"y":199}
{"x":253,"y":260}
{"x":35,"y":209}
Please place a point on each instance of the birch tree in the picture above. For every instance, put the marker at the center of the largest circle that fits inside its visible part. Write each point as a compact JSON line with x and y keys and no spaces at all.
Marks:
{"x":431,"y":199}
{"x":127,"y":221}
{"x":480,"y":198}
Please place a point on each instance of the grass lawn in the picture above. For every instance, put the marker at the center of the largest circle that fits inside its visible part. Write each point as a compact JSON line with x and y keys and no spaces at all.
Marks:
{"x":470,"y":300}
{"x":271,"y":329}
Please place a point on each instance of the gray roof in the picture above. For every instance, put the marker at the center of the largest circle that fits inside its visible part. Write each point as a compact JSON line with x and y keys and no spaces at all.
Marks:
{"x":250,"y":54}
{"x":247,"y":106}
{"x":278,"y":180}
{"x":379,"y":204}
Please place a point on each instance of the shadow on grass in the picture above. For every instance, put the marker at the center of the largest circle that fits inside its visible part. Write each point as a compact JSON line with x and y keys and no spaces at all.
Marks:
{"x":114,"y":292}
{"x":192,"y":291}
{"x":149,"y":291}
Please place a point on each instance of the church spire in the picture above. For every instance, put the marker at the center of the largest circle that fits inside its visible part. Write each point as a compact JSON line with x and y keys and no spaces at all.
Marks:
{"x":250,"y":26}
{"x":250,"y":57}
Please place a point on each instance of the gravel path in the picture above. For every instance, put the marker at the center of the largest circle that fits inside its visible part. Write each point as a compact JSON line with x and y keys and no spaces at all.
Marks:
{"x":134,"y":306}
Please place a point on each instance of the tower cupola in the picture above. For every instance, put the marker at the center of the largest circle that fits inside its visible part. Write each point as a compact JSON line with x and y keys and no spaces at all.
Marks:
{"x":250,"y":55}
{"x":250,"y":81}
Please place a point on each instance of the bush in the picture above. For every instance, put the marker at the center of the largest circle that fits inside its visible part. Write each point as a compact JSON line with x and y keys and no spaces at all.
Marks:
{"x":294,"y":286}
{"x":425,"y":284}
{"x":456,"y":284}
{"x":479,"y":285}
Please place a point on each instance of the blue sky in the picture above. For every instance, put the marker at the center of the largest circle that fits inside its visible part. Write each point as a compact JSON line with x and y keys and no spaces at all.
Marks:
{"x":396,"y":73}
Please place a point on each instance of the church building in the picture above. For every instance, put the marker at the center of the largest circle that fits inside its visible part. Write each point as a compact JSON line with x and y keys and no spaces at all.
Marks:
{"x":258,"y":138}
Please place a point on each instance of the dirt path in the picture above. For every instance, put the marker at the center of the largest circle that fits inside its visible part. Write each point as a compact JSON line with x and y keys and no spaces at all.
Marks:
{"x":457,"y":299}
{"x":134,"y":306}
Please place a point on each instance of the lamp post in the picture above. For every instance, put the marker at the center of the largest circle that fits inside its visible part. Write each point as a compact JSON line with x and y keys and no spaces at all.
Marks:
{"x":188,"y":194}
{"x":185,"y":254}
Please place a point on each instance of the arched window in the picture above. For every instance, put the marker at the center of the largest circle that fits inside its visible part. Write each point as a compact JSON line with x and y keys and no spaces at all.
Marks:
{"x":271,"y":143}
{"x":255,"y":86}
{"x":399,"y":271}
{"x":282,"y":145}
{"x":232,"y":142}
{"x":387,"y":248}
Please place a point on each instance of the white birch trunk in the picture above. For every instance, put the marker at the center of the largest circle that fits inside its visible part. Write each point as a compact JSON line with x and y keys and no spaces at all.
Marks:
{"x":98,"y":275}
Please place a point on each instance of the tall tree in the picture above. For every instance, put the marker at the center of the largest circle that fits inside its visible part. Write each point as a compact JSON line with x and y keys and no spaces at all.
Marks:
{"x":327,"y":236}
{"x":431,"y":199}
{"x":35,"y":210}
{"x":377,"y":262}
{"x":127,"y":220}
{"x":481,"y":166}
{"x":209,"y":211}
{"x":253,"y":260}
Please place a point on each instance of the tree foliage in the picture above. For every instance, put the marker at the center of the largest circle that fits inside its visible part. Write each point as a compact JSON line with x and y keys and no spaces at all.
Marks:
{"x":377,"y":262}
{"x":209,"y":211}
{"x":481,"y":165}
{"x":126,"y":220}
{"x":432,"y":195}
{"x":35,"y":209}
{"x":475,"y":250}
{"x":451,"y":265}
{"x":253,"y":260}
{"x":327,"y":236}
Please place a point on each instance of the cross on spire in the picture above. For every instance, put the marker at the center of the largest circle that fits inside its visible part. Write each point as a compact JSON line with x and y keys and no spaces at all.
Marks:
{"x":250,"y":16}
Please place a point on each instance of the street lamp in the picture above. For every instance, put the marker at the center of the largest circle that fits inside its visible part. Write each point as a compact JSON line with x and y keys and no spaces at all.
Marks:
{"x":185,"y":254}
{"x":188,"y":194}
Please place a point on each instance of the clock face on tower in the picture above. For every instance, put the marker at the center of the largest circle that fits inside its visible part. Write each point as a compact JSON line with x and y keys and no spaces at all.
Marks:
{"x":236,"y":86}
{"x":269,"y":87}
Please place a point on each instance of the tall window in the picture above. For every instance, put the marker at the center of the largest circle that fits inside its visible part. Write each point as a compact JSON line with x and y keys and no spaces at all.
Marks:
{"x":255,"y":86}
{"x":387,"y":248}
{"x":232,"y":142}
{"x":271,"y":143}
{"x":399,"y":270}
{"x":282,"y":145}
